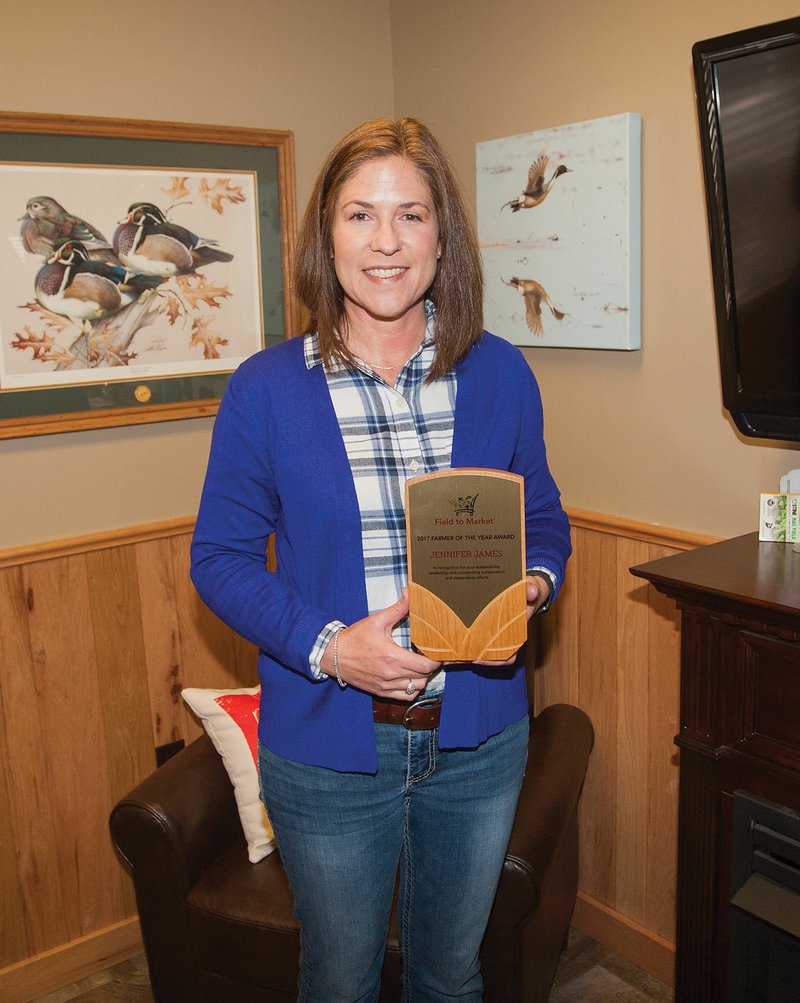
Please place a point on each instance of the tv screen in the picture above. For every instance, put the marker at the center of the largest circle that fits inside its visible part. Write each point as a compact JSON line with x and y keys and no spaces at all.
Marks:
{"x":748,"y":97}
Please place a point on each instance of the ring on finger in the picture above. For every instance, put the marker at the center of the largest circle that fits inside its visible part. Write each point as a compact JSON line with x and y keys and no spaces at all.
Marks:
{"x":411,"y":688}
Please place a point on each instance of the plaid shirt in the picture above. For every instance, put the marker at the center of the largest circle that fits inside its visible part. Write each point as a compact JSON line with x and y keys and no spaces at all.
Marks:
{"x":390,"y":434}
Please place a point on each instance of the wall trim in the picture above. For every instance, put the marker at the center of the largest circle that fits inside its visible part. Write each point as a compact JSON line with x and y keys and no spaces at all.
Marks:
{"x":49,"y":550}
{"x":647,"y":532}
{"x":34,"y":977}
{"x":621,"y":935}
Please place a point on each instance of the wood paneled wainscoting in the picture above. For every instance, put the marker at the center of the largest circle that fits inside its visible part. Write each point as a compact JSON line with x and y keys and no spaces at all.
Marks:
{"x":611,"y":646}
{"x":98,"y":635}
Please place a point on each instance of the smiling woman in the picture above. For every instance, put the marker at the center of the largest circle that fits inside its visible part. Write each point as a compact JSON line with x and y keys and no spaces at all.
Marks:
{"x":385,"y":250}
{"x":456,"y":287}
{"x":372,"y":756}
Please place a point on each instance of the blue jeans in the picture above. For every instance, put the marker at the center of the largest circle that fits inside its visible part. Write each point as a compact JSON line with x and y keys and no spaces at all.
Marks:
{"x":444,"y":815}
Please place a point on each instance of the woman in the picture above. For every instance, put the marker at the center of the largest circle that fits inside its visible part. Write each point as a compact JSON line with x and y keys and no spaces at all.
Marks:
{"x":314,"y":441}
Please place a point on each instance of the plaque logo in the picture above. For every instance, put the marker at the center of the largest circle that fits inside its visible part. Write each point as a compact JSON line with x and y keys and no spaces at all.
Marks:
{"x":464,"y":505}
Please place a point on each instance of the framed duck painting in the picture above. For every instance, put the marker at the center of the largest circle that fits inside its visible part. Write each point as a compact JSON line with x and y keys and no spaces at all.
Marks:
{"x":142,"y":262}
{"x":559,"y":224}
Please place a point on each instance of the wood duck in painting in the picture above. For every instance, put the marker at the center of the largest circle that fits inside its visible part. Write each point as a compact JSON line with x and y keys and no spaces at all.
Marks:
{"x":72,"y":285}
{"x":46,"y":221}
{"x":148,"y":242}
{"x":537,"y":190}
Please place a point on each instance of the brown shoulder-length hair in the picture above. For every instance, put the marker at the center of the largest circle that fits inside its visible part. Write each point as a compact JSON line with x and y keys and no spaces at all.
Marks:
{"x":457,"y":289}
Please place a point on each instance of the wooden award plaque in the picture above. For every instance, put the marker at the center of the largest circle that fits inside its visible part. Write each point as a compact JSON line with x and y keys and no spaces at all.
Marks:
{"x":465,"y":535}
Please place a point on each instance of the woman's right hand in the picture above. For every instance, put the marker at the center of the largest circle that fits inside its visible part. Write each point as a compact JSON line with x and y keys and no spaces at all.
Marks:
{"x":371,"y":660}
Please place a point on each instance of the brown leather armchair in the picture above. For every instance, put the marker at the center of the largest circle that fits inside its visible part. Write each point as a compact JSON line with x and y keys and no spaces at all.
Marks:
{"x":218,"y":928}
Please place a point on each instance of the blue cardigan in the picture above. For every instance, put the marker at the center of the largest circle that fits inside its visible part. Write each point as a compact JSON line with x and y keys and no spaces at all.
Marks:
{"x":278,"y":464}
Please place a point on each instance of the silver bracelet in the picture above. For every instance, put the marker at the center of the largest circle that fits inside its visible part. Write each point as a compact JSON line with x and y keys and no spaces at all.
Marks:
{"x":339,"y":680}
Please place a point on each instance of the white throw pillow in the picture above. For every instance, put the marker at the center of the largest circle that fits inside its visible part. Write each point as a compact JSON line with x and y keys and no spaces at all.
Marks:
{"x":230,"y":718}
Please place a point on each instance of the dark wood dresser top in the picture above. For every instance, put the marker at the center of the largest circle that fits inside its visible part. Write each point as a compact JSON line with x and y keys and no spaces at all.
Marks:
{"x":738,"y":572}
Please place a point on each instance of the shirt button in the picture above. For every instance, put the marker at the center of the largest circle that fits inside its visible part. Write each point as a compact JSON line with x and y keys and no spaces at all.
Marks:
{"x":400,"y":403}
{"x":414,"y":465}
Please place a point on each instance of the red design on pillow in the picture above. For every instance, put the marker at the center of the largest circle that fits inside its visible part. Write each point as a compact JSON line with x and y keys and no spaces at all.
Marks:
{"x":243,"y":710}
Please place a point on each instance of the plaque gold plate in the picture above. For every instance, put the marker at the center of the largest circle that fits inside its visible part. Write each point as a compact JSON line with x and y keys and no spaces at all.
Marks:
{"x":465,"y":535}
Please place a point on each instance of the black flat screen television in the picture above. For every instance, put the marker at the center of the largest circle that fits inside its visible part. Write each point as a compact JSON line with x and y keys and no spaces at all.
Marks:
{"x":748,"y":99}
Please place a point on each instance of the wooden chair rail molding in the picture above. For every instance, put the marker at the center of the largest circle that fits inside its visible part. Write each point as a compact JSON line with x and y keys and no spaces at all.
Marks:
{"x":644,"y":531}
{"x":52,"y":549}
{"x":100,"y":633}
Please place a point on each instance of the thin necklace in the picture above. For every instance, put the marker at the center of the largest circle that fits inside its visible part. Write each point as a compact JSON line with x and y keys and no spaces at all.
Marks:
{"x":388,"y":369}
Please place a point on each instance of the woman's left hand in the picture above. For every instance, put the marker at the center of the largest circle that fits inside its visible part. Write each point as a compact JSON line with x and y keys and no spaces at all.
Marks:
{"x":537,"y":593}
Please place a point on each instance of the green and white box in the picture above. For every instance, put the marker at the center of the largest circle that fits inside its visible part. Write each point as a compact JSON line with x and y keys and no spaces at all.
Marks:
{"x":779,"y":519}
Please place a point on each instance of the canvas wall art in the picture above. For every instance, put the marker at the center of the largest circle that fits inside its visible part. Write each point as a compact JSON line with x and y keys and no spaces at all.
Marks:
{"x":559,"y":225}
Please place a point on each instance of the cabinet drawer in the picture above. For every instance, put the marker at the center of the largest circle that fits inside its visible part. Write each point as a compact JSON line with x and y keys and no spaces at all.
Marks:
{"x":771,"y":725}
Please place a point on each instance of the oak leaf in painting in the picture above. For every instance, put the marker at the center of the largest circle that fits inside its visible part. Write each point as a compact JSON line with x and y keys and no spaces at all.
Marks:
{"x":50,"y":319}
{"x":223,"y":190}
{"x":210,"y":340}
{"x":174,"y":309}
{"x":179,"y":189}
{"x":103,"y":349}
{"x":43,"y":346}
{"x":196,"y":289}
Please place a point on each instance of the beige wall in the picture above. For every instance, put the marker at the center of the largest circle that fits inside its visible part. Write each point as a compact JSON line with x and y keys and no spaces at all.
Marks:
{"x":640,"y":435}
{"x":314,"y":67}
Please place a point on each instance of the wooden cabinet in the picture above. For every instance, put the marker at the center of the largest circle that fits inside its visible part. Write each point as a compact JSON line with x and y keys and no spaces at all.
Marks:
{"x":739,"y":726}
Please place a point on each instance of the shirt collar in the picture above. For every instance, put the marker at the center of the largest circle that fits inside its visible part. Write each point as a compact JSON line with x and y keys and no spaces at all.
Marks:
{"x":313,"y":356}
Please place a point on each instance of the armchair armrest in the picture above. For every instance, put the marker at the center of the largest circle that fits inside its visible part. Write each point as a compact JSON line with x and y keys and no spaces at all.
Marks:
{"x":181,"y":817}
{"x":168,"y":830}
{"x":561,"y":742}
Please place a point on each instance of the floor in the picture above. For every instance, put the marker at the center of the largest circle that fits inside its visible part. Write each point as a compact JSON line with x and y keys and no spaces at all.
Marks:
{"x":588,"y":973}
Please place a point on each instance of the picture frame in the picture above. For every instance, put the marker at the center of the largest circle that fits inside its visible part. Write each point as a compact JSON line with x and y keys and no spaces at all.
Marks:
{"x":174,"y":323}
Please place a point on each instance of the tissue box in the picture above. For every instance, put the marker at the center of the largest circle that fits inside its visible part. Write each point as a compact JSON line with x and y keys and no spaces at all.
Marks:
{"x":779,"y":517}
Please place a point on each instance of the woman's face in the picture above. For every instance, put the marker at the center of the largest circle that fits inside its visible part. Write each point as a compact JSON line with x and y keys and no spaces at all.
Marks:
{"x":385,"y":243}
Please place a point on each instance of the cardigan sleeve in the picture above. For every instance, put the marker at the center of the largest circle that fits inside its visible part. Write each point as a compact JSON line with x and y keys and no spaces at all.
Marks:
{"x":239,"y":509}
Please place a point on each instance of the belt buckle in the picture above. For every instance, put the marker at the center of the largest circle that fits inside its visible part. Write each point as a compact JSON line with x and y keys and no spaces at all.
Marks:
{"x":429,"y":702}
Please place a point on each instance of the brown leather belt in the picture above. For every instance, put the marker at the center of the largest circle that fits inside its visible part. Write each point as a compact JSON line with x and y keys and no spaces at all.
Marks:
{"x":421,"y":715}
